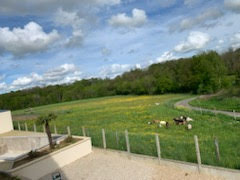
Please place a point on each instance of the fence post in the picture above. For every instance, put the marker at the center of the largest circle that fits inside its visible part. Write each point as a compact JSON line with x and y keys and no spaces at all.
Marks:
{"x":127,"y":141}
{"x":68,"y":131}
{"x":83,"y":131}
{"x":217,"y":149}
{"x":19,"y":127}
{"x":158,"y":147}
{"x":104,"y":139}
{"x":198,"y":153}
{"x":44,"y":129}
{"x":234,"y":114}
{"x":34,"y":127}
{"x":201,"y":110}
{"x":26,"y":126}
{"x":55,"y":129}
{"x":117,"y":139}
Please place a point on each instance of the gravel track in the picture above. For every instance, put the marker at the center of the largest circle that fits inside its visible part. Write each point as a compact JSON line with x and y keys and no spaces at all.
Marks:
{"x":185,"y":103}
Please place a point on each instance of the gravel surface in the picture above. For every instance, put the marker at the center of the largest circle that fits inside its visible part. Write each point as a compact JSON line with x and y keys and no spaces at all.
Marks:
{"x":185,"y":103}
{"x":110,"y":165}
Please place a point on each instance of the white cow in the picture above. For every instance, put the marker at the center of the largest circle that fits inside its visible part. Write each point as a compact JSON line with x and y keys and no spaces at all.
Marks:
{"x":163,"y":123}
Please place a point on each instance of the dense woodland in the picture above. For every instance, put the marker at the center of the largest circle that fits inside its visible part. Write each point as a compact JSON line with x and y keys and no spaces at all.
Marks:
{"x":207,"y":72}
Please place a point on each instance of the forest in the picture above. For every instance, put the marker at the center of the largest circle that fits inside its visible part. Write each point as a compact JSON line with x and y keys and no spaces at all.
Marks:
{"x":207,"y":72}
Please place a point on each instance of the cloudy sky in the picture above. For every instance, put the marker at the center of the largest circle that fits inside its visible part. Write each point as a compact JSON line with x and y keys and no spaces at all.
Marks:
{"x":47,"y":42}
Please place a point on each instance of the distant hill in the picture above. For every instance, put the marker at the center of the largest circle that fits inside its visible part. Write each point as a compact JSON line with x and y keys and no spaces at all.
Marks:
{"x":207,"y":72}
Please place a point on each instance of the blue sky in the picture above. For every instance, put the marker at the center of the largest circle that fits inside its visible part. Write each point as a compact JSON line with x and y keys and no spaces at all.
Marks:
{"x":53,"y":42}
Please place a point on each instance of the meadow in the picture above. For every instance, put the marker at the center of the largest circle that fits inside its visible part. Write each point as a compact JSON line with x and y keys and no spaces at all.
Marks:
{"x":219,"y":103}
{"x":118,"y":113}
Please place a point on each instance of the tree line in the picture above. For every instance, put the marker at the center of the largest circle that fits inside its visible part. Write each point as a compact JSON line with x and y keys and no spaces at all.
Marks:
{"x":207,"y":72}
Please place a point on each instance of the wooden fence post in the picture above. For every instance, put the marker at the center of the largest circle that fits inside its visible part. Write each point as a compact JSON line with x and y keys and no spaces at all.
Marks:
{"x":104,"y":139}
{"x":44,"y":129}
{"x":83,"y":131}
{"x":127,"y":141}
{"x":68,"y":131}
{"x":198,"y":153}
{"x":26,"y":126}
{"x":19,"y":127}
{"x":234,"y":114}
{"x":55,"y":129}
{"x":34,"y":127}
{"x":158,"y":147}
{"x":217,"y":149}
{"x":117,"y":139}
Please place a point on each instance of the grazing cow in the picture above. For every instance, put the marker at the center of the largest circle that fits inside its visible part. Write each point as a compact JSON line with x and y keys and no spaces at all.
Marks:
{"x":179,"y":121}
{"x":182,"y":120}
{"x":160,"y":123}
{"x":164,"y":123}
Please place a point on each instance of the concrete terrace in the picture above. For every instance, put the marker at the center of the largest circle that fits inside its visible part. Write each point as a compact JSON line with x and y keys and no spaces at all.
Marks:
{"x":107,"y":165}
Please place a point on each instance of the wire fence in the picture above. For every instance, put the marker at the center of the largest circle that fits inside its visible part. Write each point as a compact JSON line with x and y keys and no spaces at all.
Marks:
{"x":212,"y":151}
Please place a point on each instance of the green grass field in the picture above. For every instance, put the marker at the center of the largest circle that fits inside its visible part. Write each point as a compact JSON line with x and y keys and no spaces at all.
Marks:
{"x":219,"y":102}
{"x":115,"y":114}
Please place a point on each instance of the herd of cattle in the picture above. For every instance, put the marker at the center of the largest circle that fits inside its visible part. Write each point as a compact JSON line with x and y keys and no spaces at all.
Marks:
{"x":182,"y":120}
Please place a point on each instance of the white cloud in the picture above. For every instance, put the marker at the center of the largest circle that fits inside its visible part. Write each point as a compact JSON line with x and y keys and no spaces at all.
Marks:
{"x":166,"y":56}
{"x":58,"y":73}
{"x":220,"y":41}
{"x":114,"y":70}
{"x":66,"y":73}
{"x":233,"y":5}
{"x":27,"y":40}
{"x":195,"y":41}
{"x":66,"y":18}
{"x":236,"y":41}
{"x":3,"y":86}
{"x":138,"y":19}
{"x":72,"y":19}
{"x":45,"y":6}
{"x":26,"y":80}
{"x":200,"y":21}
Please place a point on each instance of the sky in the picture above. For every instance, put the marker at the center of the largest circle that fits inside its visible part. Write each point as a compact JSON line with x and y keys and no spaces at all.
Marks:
{"x":54,"y":42}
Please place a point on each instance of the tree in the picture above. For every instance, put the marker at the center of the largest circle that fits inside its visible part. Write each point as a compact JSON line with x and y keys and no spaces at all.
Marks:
{"x":45,"y":120}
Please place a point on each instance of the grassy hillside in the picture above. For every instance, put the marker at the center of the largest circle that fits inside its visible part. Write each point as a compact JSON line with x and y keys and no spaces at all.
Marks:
{"x":207,"y":72}
{"x":228,"y":101}
{"x":133,"y":113}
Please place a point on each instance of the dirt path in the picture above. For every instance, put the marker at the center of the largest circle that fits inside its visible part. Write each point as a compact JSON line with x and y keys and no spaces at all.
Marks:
{"x":185,"y":103}
{"x":111,"y":165}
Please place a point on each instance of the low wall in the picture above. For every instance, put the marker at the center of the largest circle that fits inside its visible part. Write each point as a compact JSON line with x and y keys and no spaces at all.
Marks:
{"x":5,"y":165}
{"x":51,"y":162}
{"x":6,"y":124}
{"x":3,"y":148}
